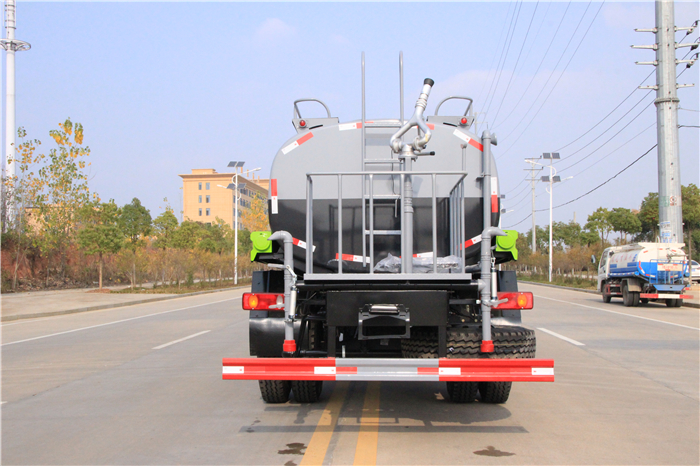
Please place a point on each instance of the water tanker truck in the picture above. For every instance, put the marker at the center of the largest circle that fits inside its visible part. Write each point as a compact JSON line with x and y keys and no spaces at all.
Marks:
{"x":383,"y":253}
{"x":644,"y":272}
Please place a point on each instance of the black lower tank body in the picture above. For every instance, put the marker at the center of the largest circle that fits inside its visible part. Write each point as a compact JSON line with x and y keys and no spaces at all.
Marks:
{"x":291,"y":217}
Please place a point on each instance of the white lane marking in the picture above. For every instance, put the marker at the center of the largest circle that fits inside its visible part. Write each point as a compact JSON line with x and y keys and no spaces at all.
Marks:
{"x":619,"y":313}
{"x":116,"y":322}
{"x":72,"y":314}
{"x":554,"y":334}
{"x":182,"y":339}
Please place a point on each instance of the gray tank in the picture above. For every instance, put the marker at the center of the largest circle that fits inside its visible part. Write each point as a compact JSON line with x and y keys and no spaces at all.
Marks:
{"x":324,"y":145}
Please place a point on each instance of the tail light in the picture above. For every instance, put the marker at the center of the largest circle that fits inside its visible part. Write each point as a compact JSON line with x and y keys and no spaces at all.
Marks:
{"x":263,"y":301}
{"x":516,"y":300}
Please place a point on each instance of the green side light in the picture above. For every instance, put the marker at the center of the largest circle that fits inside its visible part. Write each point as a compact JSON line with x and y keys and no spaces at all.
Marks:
{"x":260,"y":243}
{"x":507,"y":243}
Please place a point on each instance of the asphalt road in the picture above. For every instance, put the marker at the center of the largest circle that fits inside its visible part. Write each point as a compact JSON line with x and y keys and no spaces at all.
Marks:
{"x":127,"y":386}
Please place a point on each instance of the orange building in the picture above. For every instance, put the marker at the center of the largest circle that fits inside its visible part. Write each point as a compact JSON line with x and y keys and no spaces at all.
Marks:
{"x":206,"y":197}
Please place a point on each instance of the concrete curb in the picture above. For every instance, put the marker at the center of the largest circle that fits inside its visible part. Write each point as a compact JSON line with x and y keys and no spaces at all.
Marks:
{"x":111,"y":306}
{"x":685,"y":303}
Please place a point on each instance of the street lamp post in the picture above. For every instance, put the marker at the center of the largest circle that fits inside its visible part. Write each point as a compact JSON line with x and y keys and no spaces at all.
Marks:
{"x":551,"y":179}
{"x":235,"y":187}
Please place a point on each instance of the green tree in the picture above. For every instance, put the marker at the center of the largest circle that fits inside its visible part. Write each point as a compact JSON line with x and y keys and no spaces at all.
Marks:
{"x":19,"y":196}
{"x":135,"y":223}
{"x":64,"y":191}
{"x":649,"y":217}
{"x":100,"y":234}
{"x":164,"y":228}
{"x":624,"y":221}
{"x":691,"y":213}
{"x":188,"y":235}
{"x":599,"y":221}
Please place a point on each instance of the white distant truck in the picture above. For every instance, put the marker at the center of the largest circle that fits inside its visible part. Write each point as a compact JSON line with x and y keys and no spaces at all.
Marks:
{"x":643,"y":272}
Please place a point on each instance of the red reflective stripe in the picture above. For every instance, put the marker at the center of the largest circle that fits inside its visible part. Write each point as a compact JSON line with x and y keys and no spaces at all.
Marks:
{"x":295,"y":241}
{"x":474,"y":143}
{"x":494,"y":204}
{"x":428,"y":370}
{"x":273,"y":187}
{"x":305,"y":138}
{"x":346,"y":370}
{"x":431,"y":126}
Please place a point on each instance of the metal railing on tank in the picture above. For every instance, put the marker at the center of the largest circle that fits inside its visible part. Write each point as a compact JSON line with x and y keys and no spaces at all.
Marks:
{"x":456,"y":227}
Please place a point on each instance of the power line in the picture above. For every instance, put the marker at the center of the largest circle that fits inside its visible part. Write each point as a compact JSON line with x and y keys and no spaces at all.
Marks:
{"x":606,"y":142}
{"x":606,"y":181}
{"x":560,"y":76}
{"x":611,"y":112}
{"x":592,"y":190}
{"x":615,"y":150}
{"x":551,"y":42}
{"x":505,"y":93}
{"x":483,"y":86}
{"x":511,"y":32}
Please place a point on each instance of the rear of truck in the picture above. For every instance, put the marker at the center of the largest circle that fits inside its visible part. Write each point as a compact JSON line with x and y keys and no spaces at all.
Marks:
{"x":384,"y":258}
{"x":645,"y":272}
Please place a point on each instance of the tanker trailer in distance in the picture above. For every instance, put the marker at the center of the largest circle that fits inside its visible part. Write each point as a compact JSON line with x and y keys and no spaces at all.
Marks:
{"x":384,"y":251}
{"x":644,"y":272}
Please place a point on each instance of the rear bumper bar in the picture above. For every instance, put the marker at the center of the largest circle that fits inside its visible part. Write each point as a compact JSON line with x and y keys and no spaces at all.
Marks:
{"x":411,"y":370}
{"x":665,"y":296}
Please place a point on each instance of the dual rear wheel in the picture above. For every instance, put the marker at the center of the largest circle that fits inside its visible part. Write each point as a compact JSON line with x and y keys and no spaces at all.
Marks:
{"x":509,"y":342}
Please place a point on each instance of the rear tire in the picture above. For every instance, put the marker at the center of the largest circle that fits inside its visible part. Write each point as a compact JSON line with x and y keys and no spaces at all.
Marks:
{"x":462,"y":392}
{"x":274,"y":391}
{"x":494,"y":392}
{"x":644,"y":300}
{"x":674,"y":302}
{"x":629,"y":298}
{"x":509,"y":343}
{"x":606,"y":298}
{"x":307,"y":391}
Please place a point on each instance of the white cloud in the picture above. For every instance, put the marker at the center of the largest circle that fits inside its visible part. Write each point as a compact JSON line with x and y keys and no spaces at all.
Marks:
{"x":274,"y":29}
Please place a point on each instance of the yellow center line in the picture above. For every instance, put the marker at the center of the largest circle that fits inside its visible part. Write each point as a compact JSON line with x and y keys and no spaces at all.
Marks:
{"x":316,"y":451}
{"x":366,"y":450}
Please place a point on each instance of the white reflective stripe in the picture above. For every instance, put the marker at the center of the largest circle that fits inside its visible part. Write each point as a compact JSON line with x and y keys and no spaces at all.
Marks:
{"x":462,"y":136}
{"x":542,"y":371}
{"x":324,"y":370}
{"x":289,"y":148}
{"x":274,"y":204}
{"x":300,"y":243}
{"x":347,"y":126}
{"x":234,"y":370}
{"x":424,"y":254}
{"x":494,"y":186}
{"x":450,"y":371}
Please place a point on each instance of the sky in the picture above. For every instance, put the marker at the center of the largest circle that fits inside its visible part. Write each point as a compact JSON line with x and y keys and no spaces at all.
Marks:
{"x":162,"y":88}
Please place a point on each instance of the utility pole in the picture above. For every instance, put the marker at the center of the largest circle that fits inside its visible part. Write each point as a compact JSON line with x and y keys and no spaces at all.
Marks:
{"x":11,"y":45}
{"x":532,"y":171}
{"x":670,"y":203}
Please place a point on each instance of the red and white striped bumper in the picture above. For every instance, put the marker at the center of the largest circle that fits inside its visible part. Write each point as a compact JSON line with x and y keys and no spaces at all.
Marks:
{"x":664,"y":296}
{"x":397,"y":370}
